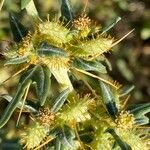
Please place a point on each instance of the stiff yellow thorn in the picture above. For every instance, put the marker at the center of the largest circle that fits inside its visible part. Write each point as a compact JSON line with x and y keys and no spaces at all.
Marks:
{"x":39,"y":19}
{"x":57,"y":21}
{"x":99,"y":78}
{"x":122,"y":38}
{"x":85,"y":7}
{"x":48,"y":18}
{"x":49,"y":140}
{"x":78,"y":137}
{"x":15,"y":74}
{"x":1,"y":4}
{"x":89,"y":146}
{"x":87,"y":84}
{"x":25,"y":146}
{"x":67,"y":24}
{"x":32,"y":118}
{"x":23,"y":102}
{"x":125,"y":102}
{"x":143,"y":127}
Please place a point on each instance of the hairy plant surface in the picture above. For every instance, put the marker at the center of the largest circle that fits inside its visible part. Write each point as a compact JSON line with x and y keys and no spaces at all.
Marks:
{"x":55,"y":55}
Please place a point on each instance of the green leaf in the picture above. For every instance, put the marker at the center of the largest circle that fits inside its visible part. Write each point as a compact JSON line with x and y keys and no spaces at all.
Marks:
{"x":30,"y":7}
{"x":123,"y":145}
{"x":24,"y":3}
{"x":10,"y":144}
{"x":66,"y":10}
{"x":65,"y":135}
{"x":49,"y":50}
{"x":89,"y":65}
{"x":59,"y":101}
{"x":42,"y":78}
{"x":28,"y":74}
{"x":140,"y":110}
{"x":114,"y":22}
{"x":142,"y":120}
{"x":17,"y":60}
{"x":25,"y":80}
{"x":102,"y":59}
{"x":62,"y":77}
{"x":13,"y":104}
{"x":27,"y":107}
{"x":124,"y":69}
{"x":58,"y":144}
{"x":86,"y":136}
{"x":109,"y":99}
{"x":126,"y":90}
{"x":18,"y":30}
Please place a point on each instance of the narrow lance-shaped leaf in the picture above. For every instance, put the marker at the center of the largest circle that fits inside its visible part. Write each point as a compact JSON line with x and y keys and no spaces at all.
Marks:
{"x":102,"y":59}
{"x":114,"y":22}
{"x":42,"y":78}
{"x":30,"y":7}
{"x":58,"y":144}
{"x":66,"y":10}
{"x":123,"y":145}
{"x":62,"y":77}
{"x":105,"y":61}
{"x":140,"y":110}
{"x":59,"y":101}
{"x":28,"y":74}
{"x":126,"y":90}
{"x":18,"y":30}
{"x":109,"y":99}
{"x":19,"y":105}
{"x":17,"y":60}
{"x":89,"y":65}
{"x":142,"y":120}
{"x":24,"y":3}
{"x":13,"y":104}
{"x":25,"y":80}
{"x":10,"y":144}
{"x":48,"y":50}
{"x":65,"y":135}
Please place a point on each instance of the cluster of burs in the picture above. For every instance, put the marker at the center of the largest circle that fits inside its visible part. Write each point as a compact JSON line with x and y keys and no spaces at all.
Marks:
{"x":76,"y":104}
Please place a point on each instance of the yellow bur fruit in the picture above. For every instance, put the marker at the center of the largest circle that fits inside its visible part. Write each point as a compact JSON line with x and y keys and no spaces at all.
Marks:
{"x":54,"y":32}
{"x":33,"y":136}
{"x":90,"y":49}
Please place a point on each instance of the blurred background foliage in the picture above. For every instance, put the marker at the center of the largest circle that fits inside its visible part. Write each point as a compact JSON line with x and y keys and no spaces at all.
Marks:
{"x":130,"y":59}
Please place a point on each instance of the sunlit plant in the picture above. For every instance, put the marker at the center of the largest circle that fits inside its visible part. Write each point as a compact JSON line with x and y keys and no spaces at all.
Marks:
{"x":55,"y":56}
